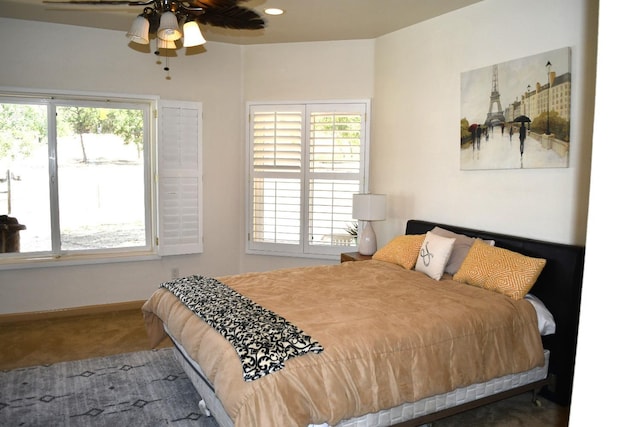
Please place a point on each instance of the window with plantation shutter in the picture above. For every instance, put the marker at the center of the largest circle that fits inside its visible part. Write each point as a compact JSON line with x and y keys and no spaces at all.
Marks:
{"x":91,"y":181}
{"x":305,"y":163}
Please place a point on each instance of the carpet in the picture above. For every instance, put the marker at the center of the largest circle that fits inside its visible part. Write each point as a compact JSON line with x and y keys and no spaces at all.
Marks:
{"x":146,"y":388}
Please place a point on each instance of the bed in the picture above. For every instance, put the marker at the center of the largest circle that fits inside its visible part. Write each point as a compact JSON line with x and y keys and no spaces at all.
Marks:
{"x":382,"y":343}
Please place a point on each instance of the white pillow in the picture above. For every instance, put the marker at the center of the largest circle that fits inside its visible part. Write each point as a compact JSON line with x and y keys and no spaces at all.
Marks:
{"x":546,"y":322}
{"x":434,"y":255}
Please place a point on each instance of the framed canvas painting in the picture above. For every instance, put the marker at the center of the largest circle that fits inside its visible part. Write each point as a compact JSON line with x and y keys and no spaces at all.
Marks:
{"x":516,"y":114}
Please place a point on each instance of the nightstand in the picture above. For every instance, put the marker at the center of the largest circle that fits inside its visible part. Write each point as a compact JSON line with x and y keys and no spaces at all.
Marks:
{"x":353,"y":256}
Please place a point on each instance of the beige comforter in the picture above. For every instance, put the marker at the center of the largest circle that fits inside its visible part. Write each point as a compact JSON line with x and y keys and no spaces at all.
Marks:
{"x":390,"y":336}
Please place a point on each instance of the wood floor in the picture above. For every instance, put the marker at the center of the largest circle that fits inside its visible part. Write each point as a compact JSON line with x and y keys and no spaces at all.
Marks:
{"x":50,"y":339}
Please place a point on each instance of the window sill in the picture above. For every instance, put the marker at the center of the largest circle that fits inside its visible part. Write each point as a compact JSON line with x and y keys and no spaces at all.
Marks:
{"x":329,"y":256}
{"x":72,"y":260}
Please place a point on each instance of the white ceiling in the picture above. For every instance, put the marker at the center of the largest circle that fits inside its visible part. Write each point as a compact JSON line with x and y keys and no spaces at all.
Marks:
{"x":303,"y":20}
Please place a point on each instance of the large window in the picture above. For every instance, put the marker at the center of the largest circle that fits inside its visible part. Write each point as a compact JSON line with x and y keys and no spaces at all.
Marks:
{"x":305,"y":163}
{"x":77,"y":179}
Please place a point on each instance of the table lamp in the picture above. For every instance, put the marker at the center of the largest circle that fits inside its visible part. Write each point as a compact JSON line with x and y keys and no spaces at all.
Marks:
{"x":366,"y":208}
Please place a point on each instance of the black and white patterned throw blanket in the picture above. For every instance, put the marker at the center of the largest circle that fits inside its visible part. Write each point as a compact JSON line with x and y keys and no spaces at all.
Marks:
{"x":262,"y":339}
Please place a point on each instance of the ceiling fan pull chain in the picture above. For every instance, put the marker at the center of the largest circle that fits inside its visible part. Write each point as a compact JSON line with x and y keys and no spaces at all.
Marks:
{"x":166,"y":66}
{"x":157,"y":52}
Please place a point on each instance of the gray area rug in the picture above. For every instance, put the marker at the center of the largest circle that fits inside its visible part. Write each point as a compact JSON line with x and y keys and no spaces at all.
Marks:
{"x":146,"y":388}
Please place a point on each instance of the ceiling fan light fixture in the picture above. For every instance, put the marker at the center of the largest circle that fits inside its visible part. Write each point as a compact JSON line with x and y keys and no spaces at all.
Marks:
{"x":192,"y":34}
{"x":169,"y":29}
{"x":169,"y":20}
{"x":139,"y":31}
{"x":166,"y":44}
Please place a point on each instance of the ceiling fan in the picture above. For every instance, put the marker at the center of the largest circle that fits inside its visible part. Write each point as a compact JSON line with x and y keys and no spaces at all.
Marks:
{"x":217,"y":13}
{"x":164,"y":18}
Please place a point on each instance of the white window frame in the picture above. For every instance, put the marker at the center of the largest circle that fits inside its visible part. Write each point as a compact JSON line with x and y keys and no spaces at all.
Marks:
{"x":173,"y":127}
{"x":304,"y":248}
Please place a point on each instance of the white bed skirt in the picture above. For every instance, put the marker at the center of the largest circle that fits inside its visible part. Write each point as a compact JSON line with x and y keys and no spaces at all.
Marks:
{"x":408,"y":411}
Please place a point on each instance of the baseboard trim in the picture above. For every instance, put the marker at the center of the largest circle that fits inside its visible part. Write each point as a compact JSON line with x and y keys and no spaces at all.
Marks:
{"x":69,"y":312}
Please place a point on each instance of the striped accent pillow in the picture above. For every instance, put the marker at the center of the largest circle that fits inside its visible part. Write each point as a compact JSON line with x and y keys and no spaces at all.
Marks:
{"x":500,"y":270}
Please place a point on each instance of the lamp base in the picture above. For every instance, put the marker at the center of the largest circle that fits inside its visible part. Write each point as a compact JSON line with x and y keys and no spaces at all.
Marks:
{"x":367,"y":244}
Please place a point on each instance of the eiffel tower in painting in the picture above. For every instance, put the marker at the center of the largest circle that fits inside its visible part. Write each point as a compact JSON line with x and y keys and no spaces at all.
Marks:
{"x":497,"y":117}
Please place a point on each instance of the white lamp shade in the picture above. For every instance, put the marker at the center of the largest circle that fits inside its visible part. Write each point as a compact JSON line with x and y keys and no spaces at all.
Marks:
{"x":169,"y":29}
{"x":166,"y":44}
{"x":369,"y":207}
{"x":192,"y":35}
{"x":139,"y":32}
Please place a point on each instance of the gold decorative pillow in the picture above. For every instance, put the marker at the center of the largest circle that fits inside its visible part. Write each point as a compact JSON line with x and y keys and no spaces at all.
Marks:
{"x":402,"y":250}
{"x":499,"y":270}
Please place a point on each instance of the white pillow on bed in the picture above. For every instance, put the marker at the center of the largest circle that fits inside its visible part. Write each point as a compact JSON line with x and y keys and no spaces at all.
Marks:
{"x":546,"y":322}
{"x":434,"y":255}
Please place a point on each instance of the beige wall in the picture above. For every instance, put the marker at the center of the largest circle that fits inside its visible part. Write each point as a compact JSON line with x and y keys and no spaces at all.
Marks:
{"x":416,"y":155}
{"x":305,"y":72}
{"x":412,"y":77}
{"x":309,"y":71}
{"x":59,"y":57}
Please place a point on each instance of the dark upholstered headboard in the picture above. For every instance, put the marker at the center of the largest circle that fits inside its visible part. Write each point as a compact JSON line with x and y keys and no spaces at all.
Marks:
{"x":559,"y":287}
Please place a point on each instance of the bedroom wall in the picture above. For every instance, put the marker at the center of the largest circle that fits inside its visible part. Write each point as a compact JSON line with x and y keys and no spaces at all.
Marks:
{"x":305,"y":72}
{"x":59,"y":57}
{"x":416,"y":114}
{"x":416,"y":153}
{"x":412,"y":77}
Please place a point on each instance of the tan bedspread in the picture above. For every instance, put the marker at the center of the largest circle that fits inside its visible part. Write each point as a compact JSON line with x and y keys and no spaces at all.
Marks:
{"x":389,"y":335}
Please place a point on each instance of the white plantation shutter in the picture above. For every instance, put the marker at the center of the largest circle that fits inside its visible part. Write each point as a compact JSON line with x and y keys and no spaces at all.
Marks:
{"x":180,"y":177}
{"x":335,"y":173}
{"x":276,"y":176}
{"x":305,"y":163}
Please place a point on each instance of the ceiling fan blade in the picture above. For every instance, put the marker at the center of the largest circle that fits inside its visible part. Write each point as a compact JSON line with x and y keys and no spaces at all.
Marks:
{"x":214,"y":3}
{"x":110,"y":2}
{"x":235,"y":17}
{"x":218,"y":13}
